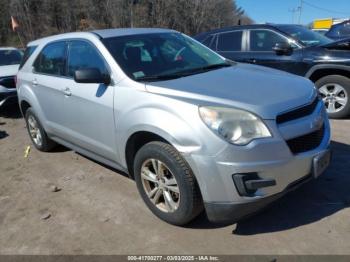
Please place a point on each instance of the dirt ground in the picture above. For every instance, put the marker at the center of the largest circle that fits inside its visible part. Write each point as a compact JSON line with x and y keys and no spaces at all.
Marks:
{"x":99,"y":211}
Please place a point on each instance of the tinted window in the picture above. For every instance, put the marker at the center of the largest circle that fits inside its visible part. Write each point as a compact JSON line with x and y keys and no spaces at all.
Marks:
{"x":344,"y":29}
{"x":52,"y":60}
{"x":230,"y":41}
{"x":10,"y":57}
{"x":83,"y":55}
{"x":207,"y":41}
{"x":27,"y":53}
{"x":159,"y":54}
{"x":304,"y":35}
{"x":264,"y":40}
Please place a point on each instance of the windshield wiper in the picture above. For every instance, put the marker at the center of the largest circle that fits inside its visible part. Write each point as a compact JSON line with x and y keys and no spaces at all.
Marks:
{"x":158,"y":77}
{"x":204,"y":68}
{"x":183,"y":73}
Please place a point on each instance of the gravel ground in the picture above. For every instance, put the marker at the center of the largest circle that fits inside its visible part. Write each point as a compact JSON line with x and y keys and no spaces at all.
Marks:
{"x":98,"y":211}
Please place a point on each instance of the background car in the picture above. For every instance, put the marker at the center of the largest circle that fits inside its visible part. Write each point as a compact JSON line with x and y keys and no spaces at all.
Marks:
{"x":292,"y":48}
{"x":320,"y":31}
{"x":10,"y":59}
{"x":339,"y":31}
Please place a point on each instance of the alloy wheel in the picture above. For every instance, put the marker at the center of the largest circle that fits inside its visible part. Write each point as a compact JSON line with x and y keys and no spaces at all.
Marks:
{"x":160,"y":185}
{"x":34,"y":131}
{"x":334,"y":97}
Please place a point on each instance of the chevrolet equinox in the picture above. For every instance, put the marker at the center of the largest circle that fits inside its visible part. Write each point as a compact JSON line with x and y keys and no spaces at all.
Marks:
{"x":194,"y":130}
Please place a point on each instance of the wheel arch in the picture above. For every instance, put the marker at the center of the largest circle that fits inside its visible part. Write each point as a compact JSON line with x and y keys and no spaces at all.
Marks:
{"x":135,"y":142}
{"x":319,"y":71}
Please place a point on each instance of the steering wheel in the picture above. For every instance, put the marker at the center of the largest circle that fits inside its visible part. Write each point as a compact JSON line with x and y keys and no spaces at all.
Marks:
{"x":176,"y":58}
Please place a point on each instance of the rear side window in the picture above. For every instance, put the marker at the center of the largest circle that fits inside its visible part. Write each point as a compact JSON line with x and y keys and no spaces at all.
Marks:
{"x":27,"y":53}
{"x":10,"y":57}
{"x":83,"y":55}
{"x":231,"y":41}
{"x":52,"y":60}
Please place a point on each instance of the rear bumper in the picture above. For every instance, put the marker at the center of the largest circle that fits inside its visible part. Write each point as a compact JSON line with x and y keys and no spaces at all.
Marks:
{"x":225,"y":213}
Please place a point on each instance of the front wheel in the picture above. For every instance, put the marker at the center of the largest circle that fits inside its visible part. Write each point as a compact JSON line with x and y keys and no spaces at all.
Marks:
{"x":335,"y":91}
{"x":167,"y":184}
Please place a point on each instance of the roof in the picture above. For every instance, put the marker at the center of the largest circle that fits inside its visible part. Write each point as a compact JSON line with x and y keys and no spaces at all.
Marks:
{"x":105,"y":33}
{"x":242,"y":27}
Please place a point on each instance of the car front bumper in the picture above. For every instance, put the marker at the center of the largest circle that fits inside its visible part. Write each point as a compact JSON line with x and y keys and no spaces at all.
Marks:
{"x":269,"y":159}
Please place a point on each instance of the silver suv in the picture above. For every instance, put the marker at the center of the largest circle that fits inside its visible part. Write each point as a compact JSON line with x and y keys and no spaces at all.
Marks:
{"x":194,"y":130}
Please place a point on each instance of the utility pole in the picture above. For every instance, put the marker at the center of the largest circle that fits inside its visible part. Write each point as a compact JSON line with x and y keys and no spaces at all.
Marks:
{"x":300,"y":10}
{"x":293,"y":11}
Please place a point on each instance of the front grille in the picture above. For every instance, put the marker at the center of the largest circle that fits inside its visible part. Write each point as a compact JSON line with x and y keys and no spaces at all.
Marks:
{"x":307,"y":142}
{"x":298,"y":113}
{"x":8,"y":82}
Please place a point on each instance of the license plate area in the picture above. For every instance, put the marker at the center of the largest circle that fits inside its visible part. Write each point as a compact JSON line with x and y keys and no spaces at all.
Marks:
{"x":321,"y":162}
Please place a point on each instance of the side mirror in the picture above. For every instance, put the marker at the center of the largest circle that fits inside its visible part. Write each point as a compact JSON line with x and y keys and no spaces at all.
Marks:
{"x":91,"y":76}
{"x":283,"y":49}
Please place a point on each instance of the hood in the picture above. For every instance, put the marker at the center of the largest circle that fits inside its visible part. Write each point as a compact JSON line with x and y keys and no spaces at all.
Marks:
{"x":9,"y":70}
{"x":343,"y":44}
{"x":263,"y":91}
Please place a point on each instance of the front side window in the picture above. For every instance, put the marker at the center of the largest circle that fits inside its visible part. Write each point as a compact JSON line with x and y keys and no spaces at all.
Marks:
{"x":231,"y":41}
{"x":264,"y":40}
{"x":161,"y":55}
{"x":52,"y":60}
{"x":82,"y":55}
{"x":10,"y":57}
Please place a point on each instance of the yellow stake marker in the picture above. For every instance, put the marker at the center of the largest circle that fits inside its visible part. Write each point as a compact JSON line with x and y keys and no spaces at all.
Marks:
{"x":26,"y":152}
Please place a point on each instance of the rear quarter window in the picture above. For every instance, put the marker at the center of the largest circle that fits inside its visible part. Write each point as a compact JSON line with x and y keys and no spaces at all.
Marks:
{"x":231,"y":41}
{"x":27,"y":54}
{"x":52,"y":60}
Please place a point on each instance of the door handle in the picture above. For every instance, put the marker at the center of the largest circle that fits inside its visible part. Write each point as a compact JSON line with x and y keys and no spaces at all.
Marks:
{"x":67,"y":92}
{"x":251,"y":60}
{"x":34,"y":82}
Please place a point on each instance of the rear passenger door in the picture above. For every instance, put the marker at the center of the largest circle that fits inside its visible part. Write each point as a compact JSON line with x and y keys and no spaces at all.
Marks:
{"x":88,"y":108}
{"x":47,"y":81}
{"x":230,"y":44}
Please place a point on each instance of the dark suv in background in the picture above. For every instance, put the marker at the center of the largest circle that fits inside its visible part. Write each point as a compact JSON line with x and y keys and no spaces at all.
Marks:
{"x":294,"y":49}
{"x":339,"y":31}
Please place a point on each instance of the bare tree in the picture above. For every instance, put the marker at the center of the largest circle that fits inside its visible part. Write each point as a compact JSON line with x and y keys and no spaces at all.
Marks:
{"x":38,"y":18}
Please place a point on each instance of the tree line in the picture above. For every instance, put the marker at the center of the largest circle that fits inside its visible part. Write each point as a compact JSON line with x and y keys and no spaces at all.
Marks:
{"x":39,"y":18}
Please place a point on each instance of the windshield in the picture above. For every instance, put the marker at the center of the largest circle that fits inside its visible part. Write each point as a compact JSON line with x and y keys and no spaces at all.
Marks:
{"x":10,"y":57}
{"x":152,"y":57}
{"x":304,"y":35}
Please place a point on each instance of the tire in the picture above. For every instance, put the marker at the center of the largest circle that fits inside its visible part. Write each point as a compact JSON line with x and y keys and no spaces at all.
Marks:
{"x":188,"y":203}
{"x":45,"y":144}
{"x":326,"y":86}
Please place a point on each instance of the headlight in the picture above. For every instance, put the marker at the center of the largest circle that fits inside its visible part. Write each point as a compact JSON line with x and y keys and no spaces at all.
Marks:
{"x":236,"y":126}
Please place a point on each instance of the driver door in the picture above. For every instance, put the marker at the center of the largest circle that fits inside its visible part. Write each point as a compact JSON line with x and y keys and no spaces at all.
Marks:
{"x":260,"y":51}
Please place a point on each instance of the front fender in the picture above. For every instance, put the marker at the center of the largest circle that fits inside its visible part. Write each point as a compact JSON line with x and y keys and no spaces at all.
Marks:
{"x":167,"y":125}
